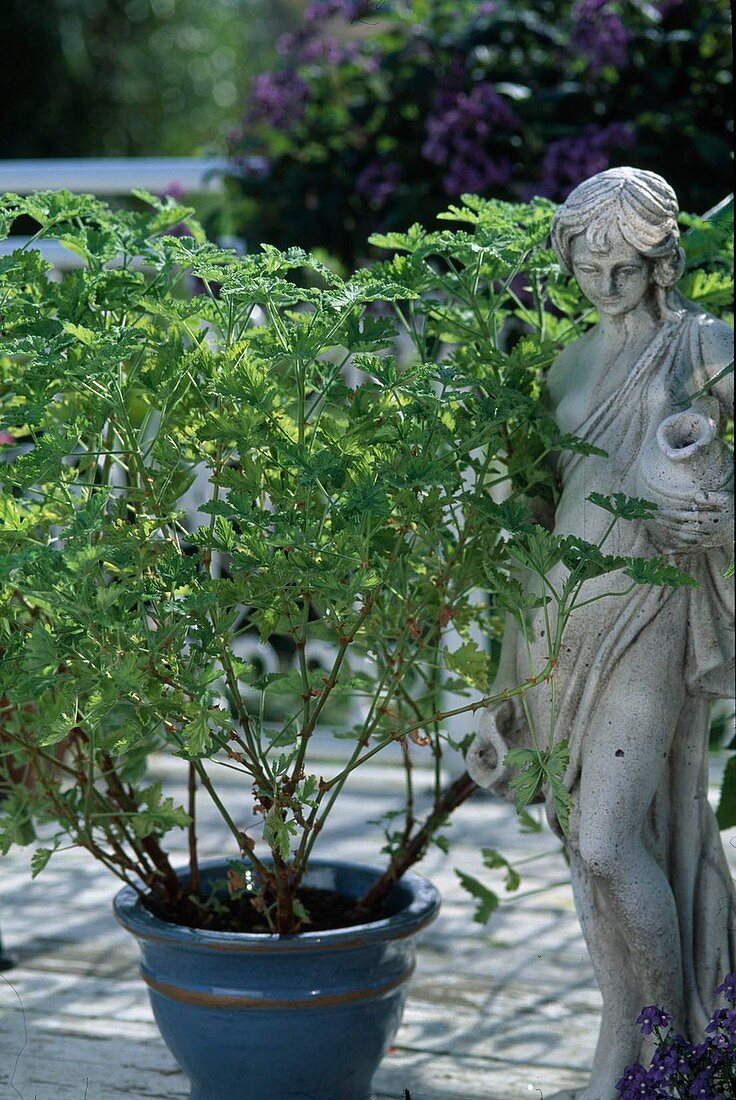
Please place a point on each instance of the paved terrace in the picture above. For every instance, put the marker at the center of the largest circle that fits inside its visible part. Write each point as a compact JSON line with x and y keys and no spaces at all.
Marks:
{"x":502,"y":1012}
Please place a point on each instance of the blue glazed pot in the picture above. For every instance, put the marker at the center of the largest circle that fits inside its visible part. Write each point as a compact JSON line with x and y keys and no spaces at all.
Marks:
{"x":305,"y":1017}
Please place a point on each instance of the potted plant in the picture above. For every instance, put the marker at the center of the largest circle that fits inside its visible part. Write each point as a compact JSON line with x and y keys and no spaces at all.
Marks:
{"x":359,"y":516}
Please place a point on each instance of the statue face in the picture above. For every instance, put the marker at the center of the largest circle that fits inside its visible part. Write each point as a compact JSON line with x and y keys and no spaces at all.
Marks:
{"x":615,"y":281}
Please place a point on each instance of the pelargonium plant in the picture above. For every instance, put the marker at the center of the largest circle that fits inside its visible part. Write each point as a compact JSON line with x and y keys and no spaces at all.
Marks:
{"x":364,"y":514}
{"x":683,"y":1070}
{"x":383,"y":110}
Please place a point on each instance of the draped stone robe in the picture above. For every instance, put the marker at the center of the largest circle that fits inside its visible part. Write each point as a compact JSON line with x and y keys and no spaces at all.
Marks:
{"x":689,"y":629}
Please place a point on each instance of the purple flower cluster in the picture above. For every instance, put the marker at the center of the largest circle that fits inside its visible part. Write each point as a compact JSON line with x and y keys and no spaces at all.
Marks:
{"x":599,"y":35}
{"x":278,"y":99}
{"x":376,"y":183}
{"x":680,"y":1069}
{"x":569,"y":161}
{"x":459,"y":132}
{"x":310,"y":44}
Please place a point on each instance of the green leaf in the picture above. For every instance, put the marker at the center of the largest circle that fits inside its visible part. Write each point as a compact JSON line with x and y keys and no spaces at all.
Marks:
{"x":527,"y":783}
{"x":659,"y":571}
{"x":11,"y":516}
{"x":40,"y":654}
{"x":471,"y":663}
{"x":197,"y":736}
{"x":618,"y":504}
{"x":555,"y":765}
{"x":382,"y":367}
{"x":366,"y":498}
{"x":493,"y":860}
{"x":486,"y":899}
{"x":403,"y":242}
{"x":587,"y":561}
{"x":85,"y":335}
{"x":160,"y":814}
{"x":509,"y":594}
{"x":278,"y":834}
{"x":16,"y":819}
{"x":519,"y":758}
{"x":529,"y":824}
{"x":726,"y":812}
{"x":537,"y":549}
{"x":225,"y":537}
{"x":40,"y":858}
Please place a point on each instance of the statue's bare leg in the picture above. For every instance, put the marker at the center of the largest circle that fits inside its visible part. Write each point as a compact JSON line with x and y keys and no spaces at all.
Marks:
{"x":628,"y":912}
{"x":617,"y":982}
{"x":614,"y":971}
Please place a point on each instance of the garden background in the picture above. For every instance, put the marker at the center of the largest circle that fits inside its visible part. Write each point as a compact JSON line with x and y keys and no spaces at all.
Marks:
{"x":343,"y":117}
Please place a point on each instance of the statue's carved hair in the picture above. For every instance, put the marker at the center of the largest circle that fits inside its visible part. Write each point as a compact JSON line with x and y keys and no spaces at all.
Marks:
{"x":640,"y":204}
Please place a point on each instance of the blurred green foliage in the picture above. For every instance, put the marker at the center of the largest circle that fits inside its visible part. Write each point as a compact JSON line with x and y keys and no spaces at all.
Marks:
{"x":130,"y":77}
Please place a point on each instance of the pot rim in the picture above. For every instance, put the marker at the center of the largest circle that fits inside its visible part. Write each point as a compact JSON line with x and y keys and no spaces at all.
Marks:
{"x":422,"y":909}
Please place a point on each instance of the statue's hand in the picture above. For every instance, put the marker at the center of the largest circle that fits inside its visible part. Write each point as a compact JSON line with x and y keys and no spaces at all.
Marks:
{"x":486,"y":754}
{"x":700,"y":523}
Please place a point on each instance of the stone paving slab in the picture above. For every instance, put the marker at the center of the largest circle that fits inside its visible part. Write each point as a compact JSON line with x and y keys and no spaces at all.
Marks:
{"x":501,"y":1012}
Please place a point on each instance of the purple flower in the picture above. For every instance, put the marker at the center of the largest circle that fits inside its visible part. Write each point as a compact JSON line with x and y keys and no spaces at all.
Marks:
{"x":174,"y":190}
{"x":568,"y":161}
{"x":599,"y":35}
{"x":727,"y":988}
{"x":307,"y":44}
{"x":459,"y":132}
{"x":6,"y":439}
{"x":653,"y":1017}
{"x":701,"y":1087}
{"x":673,"y":1058}
{"x":637,"y":1083}
{"x":378,"y":181}
{"x":278,"y":99}
{"x":322,"y":49}
{"x":723,"y":1019}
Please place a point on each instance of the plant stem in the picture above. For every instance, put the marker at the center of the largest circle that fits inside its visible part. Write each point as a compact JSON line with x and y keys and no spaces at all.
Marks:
{"x":412,"y":851}
{"x":192,"y":832}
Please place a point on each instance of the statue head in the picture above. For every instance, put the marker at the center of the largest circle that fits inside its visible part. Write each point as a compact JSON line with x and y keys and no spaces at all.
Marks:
{"x":623,"y":206}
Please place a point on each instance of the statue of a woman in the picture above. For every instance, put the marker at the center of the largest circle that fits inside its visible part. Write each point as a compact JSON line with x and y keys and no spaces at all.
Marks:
{"x":637,"y":672}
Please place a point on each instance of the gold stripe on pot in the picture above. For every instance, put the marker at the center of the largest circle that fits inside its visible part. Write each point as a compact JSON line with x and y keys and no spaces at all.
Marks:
{"x":226,"y":1000}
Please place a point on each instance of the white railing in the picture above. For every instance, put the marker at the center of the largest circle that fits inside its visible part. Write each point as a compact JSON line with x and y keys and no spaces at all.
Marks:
{"x":112,"y":175}
{"x":105,"y":177}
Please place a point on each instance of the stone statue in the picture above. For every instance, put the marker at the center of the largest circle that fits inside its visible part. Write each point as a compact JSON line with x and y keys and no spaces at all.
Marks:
{"x":637,"y":672}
